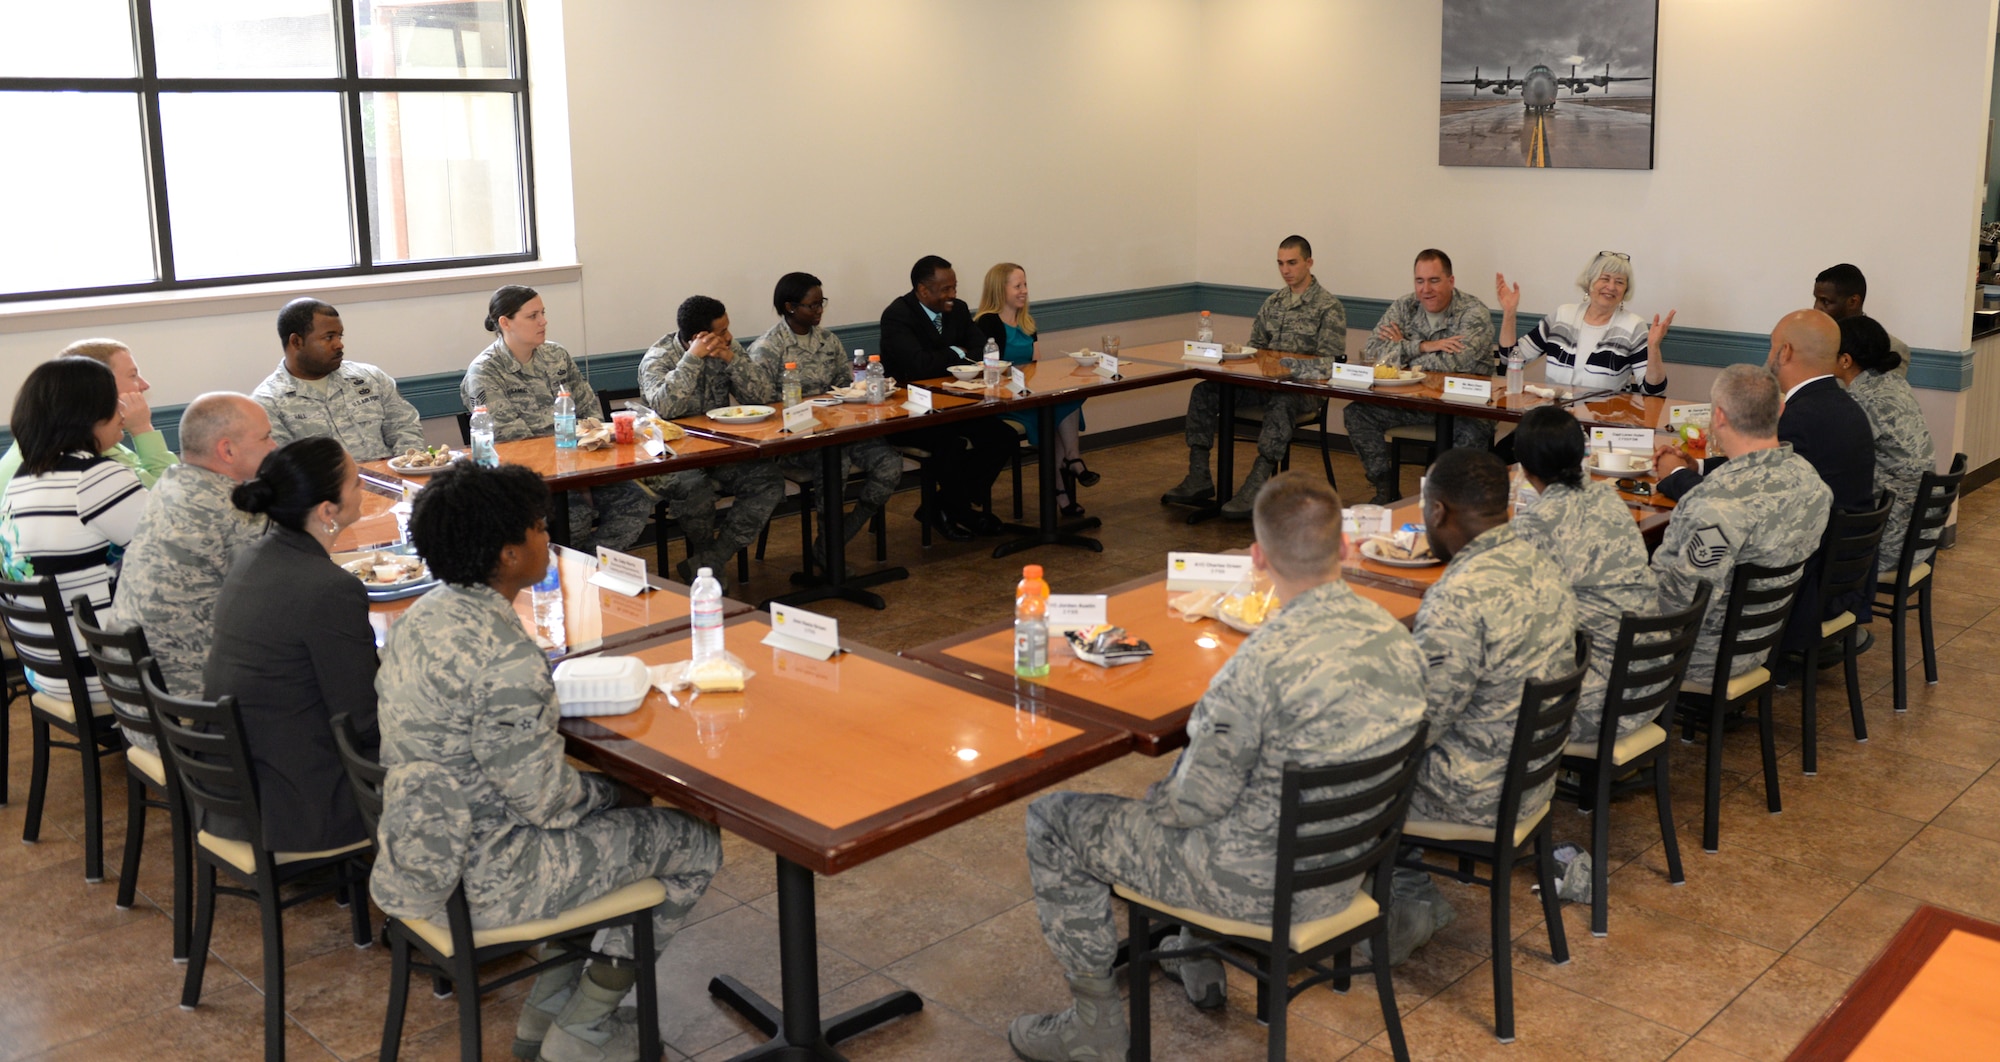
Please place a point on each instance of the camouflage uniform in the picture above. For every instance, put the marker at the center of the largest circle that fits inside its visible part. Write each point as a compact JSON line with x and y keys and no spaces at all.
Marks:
{"x":1329,"y":679}
{"x":823,"y":366}
{"x":173,"y":572}
{"x":478,"y":791}
{"x":1313,"y":324}
{"x":678,"y":384}
{"x":1501,"y":614}
{"x":1366,"y":422}
{"x":1591,"y":536}
{"x":521,"y":400}
{"x":356,"y":404}
{"x":1766,"y":508}
{"x":1903,"y":453}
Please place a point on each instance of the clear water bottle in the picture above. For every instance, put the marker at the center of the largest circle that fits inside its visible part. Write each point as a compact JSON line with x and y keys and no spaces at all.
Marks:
{"x":705,"y":615}
{"x":788,"y":385}
{"x":481,"y":430}
{"x":990,"y":363}
{"x":860,"y":363}
{"x":1031,"y":624}
{"x":878,"y":384}
{"x":565,"y":420}
{"x":1204,"y":332}
{"x":548,"y":603}
{"x":1517,"y":372}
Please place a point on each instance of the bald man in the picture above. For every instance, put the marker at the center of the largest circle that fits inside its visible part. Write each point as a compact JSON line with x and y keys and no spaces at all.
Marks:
{"x":1825,"y":426}
{"x":175,"y":563}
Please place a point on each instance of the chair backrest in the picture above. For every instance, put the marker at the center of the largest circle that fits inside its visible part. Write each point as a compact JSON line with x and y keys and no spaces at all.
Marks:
{"x":204,"y":741}
{"x":33,"y":616}
{"x":1936,"y":494}
{"x":1383,"y":800}
{"x":464,"y":419}
{"x":1753,"y":619}
{"x":1647,"y":664}
{"x":116,"y":656}
{"x":364,"y":775}
{"x":1540,"y":735}
{"x":1848,"y":549}
{"x":610,"y":397}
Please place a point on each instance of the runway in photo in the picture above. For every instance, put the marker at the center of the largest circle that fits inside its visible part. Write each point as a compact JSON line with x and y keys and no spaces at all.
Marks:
{"x":1603,"y":133}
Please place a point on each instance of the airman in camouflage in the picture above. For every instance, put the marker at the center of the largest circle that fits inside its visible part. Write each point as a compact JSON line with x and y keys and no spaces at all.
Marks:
{"x":478,"y":791}
{"x":1903,"y":453}
{"x":521,"y":400}
{"x":1328,"y":679}
{"x":1591,"y":536}
{"x":823,"y":366}
{"x":1438,"y":328}
{"x":1767,"y":507}
{"x":1300,"y":319}
{"x":677,"y":382}
{"x":357,"y":404}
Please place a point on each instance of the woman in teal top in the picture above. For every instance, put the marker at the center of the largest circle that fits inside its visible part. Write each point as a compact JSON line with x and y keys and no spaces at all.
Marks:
{"x":1004,"y":318}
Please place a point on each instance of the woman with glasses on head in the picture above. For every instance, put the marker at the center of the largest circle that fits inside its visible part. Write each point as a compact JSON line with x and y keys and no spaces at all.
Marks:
{"x":1004,"y":318}
{"x":1597,"y":344}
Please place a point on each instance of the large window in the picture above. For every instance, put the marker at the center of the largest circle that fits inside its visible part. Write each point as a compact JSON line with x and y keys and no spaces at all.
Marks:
{"x":160,"y":144}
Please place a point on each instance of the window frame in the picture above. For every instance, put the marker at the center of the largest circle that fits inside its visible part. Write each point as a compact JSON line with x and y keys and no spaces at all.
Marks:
{"x":148,"y":86}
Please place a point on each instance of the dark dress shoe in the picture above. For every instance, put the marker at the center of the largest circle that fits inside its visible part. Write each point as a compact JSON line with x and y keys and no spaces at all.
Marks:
{"x":944,"y":525}
{"x":982,"y":523}
{"x":1071,"y":511}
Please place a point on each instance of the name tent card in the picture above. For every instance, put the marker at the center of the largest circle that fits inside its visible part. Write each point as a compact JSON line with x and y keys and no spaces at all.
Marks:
{"x":1361,"y":376}
{"x":919,"y":399}
{"x":1070,"y":612}
{"x":1193,"y":351}
{"x":807,"y":633}
{"x":1691,"y":413}
{"x":1017,"y":381}
{"x":1632,"y":440}
{"x":1107,"y":365}
{"x":799,"y":419}
{"x":1206,"y":571}
{"x":620,"y":573}
{"x":1466,"y":389}
{"x":657,"y":448}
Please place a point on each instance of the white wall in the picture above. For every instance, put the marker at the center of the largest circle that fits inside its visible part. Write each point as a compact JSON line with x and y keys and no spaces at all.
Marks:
{"x":1789,"y":135}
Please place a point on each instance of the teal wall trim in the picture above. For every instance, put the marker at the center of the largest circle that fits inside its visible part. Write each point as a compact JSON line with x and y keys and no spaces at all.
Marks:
{"x":436,"y":394}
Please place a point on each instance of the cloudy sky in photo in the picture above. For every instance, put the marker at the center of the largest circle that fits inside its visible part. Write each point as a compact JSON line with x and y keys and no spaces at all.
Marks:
{"x":1497,"y":33}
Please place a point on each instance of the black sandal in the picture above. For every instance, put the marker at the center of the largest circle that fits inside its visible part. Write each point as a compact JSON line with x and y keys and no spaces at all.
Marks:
{"x":1075,"y":467}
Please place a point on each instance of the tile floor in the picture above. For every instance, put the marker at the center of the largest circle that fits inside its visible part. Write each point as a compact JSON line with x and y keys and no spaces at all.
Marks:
{"x":1737,"y":963}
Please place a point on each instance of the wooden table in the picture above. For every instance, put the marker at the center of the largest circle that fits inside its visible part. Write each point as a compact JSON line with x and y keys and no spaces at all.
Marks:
{"x":830,"y":764}
{"x":1929,"y":995}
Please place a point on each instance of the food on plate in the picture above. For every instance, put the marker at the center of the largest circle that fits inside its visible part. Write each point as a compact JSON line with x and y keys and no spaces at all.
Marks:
{"x":386,"y":569}
{"x":1387,"y":372}
{"x":1237,"y":348}
{"x":717,"y":675}
{"x":660,"y":428}
{"x":1251,"y":609}
{"x":593,"y":434}
{"x":1195,"y":604}
{"x":1404,"y":546}
{"x":1107,"y":646}
{"x":422,"y":457}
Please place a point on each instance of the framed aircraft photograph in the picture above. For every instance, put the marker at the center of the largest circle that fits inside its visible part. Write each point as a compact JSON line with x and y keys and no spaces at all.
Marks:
{"x":1548,"y":83}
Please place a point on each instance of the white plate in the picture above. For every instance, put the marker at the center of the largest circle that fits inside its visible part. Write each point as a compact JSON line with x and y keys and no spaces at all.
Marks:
{"x":396,"y":465}
{"x":368,"y":561}
{"x":1083,"y":357}
{"x":966,"y":372}
{"x":1370,"y":549}
{"x":740,"y":414}
{"x":1401,"y":382}
{"x":1247,"y":352}
{"x":1628,"y":473}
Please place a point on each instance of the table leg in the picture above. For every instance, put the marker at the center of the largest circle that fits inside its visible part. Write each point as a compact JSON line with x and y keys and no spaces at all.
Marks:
{"x":798,"y":1032}
{"x":559,"y":533}
{"x":1446,"y":425}
{"x":1225,"y":455}
{"x":1051,"y":532}
{"x":834,"y":581}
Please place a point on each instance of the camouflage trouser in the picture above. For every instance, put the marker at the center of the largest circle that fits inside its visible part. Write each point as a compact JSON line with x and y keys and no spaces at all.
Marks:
{"x":874,"y":458}
{"x":1079,"y":843}
{"x":606,"y":851}
{"x":619,"y":512}
{"x":757,"y":486}
{"x":1366,"y":423}
{"x":1449,"y":789}
{"x":1282,"y":410}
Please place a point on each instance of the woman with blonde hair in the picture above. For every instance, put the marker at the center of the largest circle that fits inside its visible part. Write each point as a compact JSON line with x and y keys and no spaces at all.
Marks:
{"x":1004,"y":318}
{"x":1597,"y":344}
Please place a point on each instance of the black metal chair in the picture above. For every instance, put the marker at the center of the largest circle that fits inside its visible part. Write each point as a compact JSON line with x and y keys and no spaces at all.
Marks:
{"x":1648,"y":662}
{"x":1936,"y":494}
{"x":204,"y":742}
{"x":1539,"y":736}
{"x":1246,"y":418}
{"x":1760,"y":601}
{"x":1847,"y":569}
{"x":454,"y":951}
{"x":1322,"y":840}
{"x":17,"y":687}
{"x":116,"y":656}
{"x":36,"y":623}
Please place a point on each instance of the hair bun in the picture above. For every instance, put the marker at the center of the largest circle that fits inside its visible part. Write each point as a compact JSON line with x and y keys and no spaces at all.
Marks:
{"x":492,"y":323}
{"x":254,"y":495}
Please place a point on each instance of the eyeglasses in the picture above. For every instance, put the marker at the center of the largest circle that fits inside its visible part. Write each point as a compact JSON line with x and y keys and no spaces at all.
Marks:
{"x":1636,"y":486}
{"x":1620,"y":255}
{"x":817,"y":304}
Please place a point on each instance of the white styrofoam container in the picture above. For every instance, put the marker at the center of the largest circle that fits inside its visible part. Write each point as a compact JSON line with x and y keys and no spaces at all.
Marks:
{"x":601,"y":685}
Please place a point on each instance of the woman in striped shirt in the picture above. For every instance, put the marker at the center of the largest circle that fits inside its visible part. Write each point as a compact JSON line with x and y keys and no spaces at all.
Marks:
{"x":1595,"y":345}
{"x":73,"y":510}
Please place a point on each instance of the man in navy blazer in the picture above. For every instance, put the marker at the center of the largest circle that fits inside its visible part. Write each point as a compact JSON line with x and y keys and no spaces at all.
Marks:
{"x":1825,"y":426}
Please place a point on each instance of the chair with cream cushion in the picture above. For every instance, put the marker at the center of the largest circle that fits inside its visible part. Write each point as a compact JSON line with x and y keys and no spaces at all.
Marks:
{"x":1335,"y":824}
{"x":39,"y":629}
{"x":1648,"y":661}
{"x":1540,"y":733}
{"x":116,"y":656}
{"x":1847,"y":570}
{"x":452,"y":950}
{"x":1753,"y":620}
{"x":204,"y":746}
{"x":1936,"y":494}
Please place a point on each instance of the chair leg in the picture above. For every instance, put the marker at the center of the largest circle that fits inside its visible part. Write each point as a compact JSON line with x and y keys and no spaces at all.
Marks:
{"x":1545,"y":871}
{"x":1711,"y":812}
{"x":880,"y":525}
{"x":1767,"y":736}
{"x":135,"y":840}
{"x":357,"y":903}
{"x":1017,"y":480}
{"x":1899,"y":647}
{"x":399,"y":996}
{"x":763,"y":539}
{"x":1850,"y":651}
{"x":1139,"y":978}
{"x":274,"y":970}
{"x":1503,"y":945}
{"x":1924,"y":628}
{"x":1264,"y":989}
{"x":1663,"y":796}
{"x":742,"y":566}
{"x":645,"y":949}
{"x":1276,"y":967}
{"x":1809,"y":708}
{"x":183,"y":891}
{"x":1325,"y":454}
{"x":204,"y":921}
{"x":1600,"y":855}
{"x":38,"y":780}
{"x":465,"y":973}
{"x":1342,"y":959}
{"x":1385,"y":989}
{"x":93,"y":805}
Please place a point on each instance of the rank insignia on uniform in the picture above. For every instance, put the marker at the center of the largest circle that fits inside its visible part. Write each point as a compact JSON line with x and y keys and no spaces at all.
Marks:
{"x":1708,"y":547}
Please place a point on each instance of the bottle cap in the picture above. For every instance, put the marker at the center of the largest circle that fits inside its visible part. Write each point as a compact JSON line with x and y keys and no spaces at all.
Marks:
{"x":1204,"y":313}
{"x":479,"y":409}
{"x":874,"y":357}
{"x":1032,"y":571}
{"x":702,"y":573}
{"x":791,"y":365}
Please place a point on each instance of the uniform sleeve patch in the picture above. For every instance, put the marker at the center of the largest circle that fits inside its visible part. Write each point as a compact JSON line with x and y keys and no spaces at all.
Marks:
{"x":1708,"y":547}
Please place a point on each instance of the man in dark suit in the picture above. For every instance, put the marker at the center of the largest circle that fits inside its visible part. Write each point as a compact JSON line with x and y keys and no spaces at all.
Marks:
{"x":924,"y":333}
{"x":1825,"y":426}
